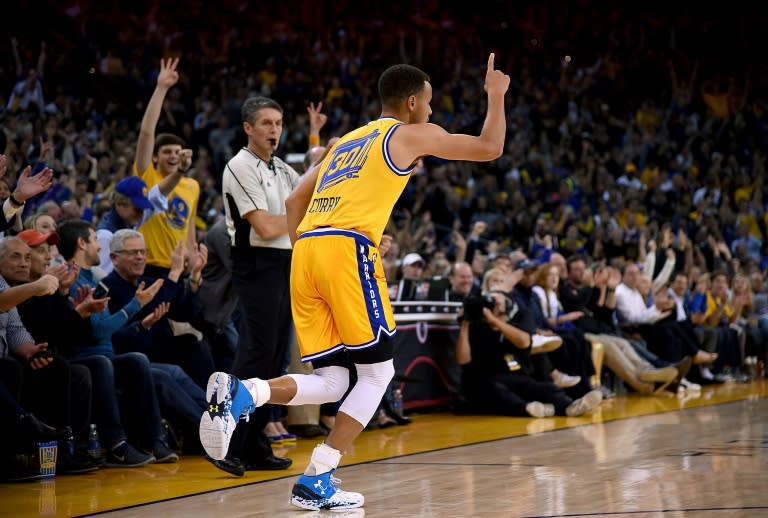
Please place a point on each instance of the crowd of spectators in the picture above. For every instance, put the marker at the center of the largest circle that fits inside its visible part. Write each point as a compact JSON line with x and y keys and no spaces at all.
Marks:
{"x":634,"y":140}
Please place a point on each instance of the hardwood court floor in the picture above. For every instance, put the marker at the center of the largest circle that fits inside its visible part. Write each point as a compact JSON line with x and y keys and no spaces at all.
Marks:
{"x":635,"y":456}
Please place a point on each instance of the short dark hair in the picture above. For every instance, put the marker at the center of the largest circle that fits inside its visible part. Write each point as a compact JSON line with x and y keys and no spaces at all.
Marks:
{"x":69,"y":231}
{"x":253,"y":105}
{"x":399,"y":82}
{"x":574,"y":259}
{"x":167,"y":139}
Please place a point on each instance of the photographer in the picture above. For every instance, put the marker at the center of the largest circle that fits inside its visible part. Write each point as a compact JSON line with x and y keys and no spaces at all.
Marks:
{"x":493,"y":350}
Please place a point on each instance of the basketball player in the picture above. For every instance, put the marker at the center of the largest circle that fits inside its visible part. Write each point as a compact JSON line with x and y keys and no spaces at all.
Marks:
{"x":339,"y":300}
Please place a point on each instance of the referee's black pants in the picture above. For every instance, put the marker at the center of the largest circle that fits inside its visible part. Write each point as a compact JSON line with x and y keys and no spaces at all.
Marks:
{"x":261,"y":280}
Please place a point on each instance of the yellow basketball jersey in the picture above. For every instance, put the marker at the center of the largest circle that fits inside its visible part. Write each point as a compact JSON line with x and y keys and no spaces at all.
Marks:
{"x":164,"y":230}
{"x":358,"y":184}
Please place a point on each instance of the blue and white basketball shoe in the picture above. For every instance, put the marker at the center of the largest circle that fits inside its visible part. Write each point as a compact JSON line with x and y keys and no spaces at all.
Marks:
{"x":320,"y":492}
{"x":228,"y":401}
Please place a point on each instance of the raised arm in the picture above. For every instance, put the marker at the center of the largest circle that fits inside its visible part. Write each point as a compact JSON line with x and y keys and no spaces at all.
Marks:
{"x":167,"y":77}
{"x":317,"y":120}
{"x":413,"y":141}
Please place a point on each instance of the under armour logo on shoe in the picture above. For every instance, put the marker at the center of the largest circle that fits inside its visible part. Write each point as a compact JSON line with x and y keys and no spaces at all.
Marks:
{"x":214,"y":409}
{"x":320,"y":487}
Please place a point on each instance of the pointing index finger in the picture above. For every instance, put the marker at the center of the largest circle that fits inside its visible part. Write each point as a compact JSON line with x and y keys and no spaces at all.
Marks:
{"x":490,"y":62}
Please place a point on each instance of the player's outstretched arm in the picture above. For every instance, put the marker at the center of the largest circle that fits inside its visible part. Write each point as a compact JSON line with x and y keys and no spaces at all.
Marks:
{"x":416,"y":140}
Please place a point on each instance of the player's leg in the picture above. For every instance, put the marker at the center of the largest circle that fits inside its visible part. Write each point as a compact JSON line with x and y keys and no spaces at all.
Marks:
{"x":230,"y":398}
{"x":318,"y":487}
{"x":358,"y":299}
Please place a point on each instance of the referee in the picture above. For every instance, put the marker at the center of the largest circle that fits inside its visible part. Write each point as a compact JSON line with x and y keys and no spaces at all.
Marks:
{"x":255,"y":186}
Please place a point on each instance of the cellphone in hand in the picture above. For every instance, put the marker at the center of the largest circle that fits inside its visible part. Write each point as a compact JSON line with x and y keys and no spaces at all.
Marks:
{"x":101,"y":291}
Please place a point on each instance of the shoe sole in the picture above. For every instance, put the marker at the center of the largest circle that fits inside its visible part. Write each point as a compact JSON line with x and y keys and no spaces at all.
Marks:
{"x":168,"y":459}
{"x":224,"y":467}
{"x":547,"y":347}
{"x":216,"y":428}
{"x":151,"y":460}
{"x":540,"y":411}
{"x":311,"y":505}
{"x":585,"y":404}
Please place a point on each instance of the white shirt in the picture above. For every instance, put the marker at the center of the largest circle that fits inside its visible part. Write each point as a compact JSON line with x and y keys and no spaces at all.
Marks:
{"x":631,"y":308}
{"x":550,"y":304}
{"x":679,"y":305}
{"x":10,"y":210}
{"x":250,"y":184}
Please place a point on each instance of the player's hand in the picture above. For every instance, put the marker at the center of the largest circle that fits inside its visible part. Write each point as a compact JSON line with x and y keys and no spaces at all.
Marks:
{"x":496,"y":81}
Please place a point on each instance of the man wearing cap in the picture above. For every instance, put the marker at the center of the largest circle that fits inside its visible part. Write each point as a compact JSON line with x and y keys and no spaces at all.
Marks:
{"x":409,"y":287}
{"x":130,"y":208}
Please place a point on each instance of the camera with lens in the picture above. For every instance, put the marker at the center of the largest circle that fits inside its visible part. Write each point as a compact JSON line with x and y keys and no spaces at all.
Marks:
{"x":474,"y":304}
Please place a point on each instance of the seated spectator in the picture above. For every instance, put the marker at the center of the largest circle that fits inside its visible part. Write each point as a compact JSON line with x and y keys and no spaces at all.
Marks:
{"x":656,"y":323}
{"x":690,"y":321}
{"x":45,"y":224}
{"x":595,"y":298}
{"x":159,"y":341}
{"x":50,"y":386}
{"x":743,"y":297}
{"x":132,"y":372}
{"x":569,"y":366}
{"x":496,"y":373}
{"x":180,"y":359}
{"x":21,"y":432}
{"x":720,"y":315}
{"x":546,"y":288}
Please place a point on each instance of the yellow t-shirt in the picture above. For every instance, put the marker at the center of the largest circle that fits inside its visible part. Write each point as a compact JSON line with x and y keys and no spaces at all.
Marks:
{"x":358,"y":184}
{"x":712,"y":306}
{"x":163,"y":231}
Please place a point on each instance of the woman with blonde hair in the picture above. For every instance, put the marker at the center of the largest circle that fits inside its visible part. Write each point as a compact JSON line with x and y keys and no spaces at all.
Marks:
{"x":547,"y":282}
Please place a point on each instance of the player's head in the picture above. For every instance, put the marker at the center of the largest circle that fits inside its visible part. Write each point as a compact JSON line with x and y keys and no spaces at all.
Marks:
{"x":167,"y":152}
{"x":263,"y":123}
{"x":406,"y":89}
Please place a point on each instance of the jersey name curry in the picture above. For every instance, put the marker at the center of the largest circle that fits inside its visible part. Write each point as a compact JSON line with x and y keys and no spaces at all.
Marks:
{"x":358,"y":184}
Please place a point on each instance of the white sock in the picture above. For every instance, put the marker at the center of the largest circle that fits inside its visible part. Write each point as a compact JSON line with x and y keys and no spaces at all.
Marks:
{"x":324,"y":459}
{"x":259,"y":390}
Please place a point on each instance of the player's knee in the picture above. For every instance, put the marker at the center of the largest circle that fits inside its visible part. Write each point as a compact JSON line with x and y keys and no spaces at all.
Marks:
{"x":378,"y":374}
{"x":335,"y":381}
